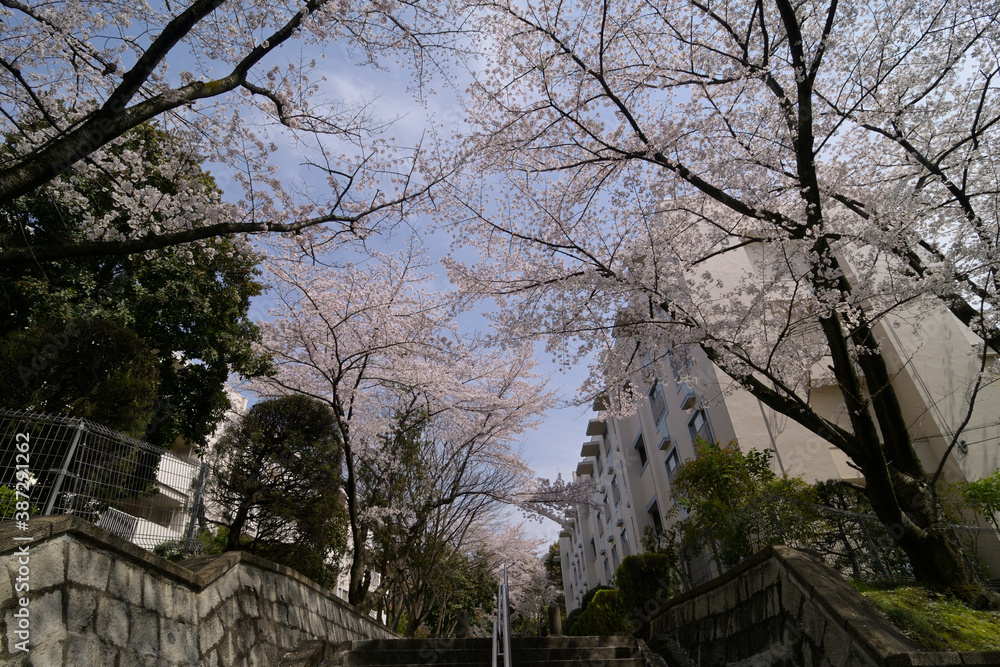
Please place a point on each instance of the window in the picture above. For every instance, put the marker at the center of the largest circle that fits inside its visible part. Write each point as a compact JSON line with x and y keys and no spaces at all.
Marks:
{"x":654,"y":514}
{"x":593,"y":548}
{"x":657,"y":402}
{"x":700,"y":428}
{"x":672,"y":462}
{"x":614,"y":556}
{"x":640,"y":447}
{"x":615,"y":493}
{"x":625,"y":549}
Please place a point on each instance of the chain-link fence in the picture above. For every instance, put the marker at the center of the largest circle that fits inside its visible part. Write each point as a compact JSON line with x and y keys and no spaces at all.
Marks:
{"x":857,"y":545}
{"x":131,"y":488}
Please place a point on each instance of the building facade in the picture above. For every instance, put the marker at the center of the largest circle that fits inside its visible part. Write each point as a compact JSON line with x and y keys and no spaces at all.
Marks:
{"x":633,"y":460}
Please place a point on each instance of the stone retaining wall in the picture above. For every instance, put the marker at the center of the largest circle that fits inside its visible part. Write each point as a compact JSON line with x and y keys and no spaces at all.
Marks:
{"x":96,"y":599}
{"x":786,"y":607}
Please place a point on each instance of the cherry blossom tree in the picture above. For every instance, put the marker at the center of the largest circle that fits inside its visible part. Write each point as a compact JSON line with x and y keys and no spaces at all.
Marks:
{"x":628,"y":157}
{"x":229,"y":81}
{"x":374,"y":342}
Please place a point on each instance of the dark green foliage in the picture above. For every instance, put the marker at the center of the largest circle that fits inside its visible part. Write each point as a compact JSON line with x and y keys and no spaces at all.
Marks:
{"x":464,"y":582}
{"x":738,"y":505}
{"x":8,"y":503}
{"x":204,"y":543}
{"x":90,"y":368}
{"x":588,"y":597}
{"x":983,"y":497}
{"x":553,"y":572}
{"x":187,"y":304}
{"x":277,"y":477}
{"x":644,"y":582}
{"x":605,"y":615}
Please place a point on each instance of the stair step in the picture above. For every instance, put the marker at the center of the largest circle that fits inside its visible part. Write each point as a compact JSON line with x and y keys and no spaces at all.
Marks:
{"x":611,"y":651}
{"x":520,"y":656}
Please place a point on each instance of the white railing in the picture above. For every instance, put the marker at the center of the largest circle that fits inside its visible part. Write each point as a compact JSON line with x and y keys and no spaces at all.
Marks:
{"x":501,"y":626}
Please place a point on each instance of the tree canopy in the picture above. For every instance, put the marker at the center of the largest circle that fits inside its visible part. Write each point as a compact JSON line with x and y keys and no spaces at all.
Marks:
{"x":777,"y":185}
{"x":188,"y":304}
{"x":77,"y":77}
{"x":277,"y":477}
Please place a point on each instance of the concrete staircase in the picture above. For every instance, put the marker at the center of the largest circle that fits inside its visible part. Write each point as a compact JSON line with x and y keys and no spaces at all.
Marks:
{"x":533,"y":652}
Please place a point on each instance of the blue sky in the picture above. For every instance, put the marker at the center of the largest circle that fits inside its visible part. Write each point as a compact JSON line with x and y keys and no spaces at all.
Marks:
{"x":554,"y":446}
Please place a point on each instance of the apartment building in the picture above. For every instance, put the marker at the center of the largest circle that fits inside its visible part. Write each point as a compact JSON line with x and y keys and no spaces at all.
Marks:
{"x":633,"y":460}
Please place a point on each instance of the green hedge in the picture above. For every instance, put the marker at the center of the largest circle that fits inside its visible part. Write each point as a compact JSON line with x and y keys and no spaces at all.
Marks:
{"x":605,"y":615}
{"x":645,"y":582}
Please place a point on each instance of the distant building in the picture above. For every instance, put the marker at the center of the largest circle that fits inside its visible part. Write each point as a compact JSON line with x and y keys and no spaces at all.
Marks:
{"x":633,"y":460}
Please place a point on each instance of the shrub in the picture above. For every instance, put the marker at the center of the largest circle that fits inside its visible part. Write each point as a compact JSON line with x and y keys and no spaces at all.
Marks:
{"x":644,"y":582}
{"x":605,"y":615}
{"x":584,"y":603}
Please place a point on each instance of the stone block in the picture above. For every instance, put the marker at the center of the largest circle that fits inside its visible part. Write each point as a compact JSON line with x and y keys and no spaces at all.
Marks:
{"x":168,"y":599}
{"x":48,"y":566}
{"x":770,"y":574}
{"x":250,"y":577}
{"x":46,"y":653}
{"x":88,"y":650}
{"x":757,"y":609}
{"x":700,"y":607}
{"x":210,"y":633}
{"x":81,"y":610}
{"x":144,"y":635}
{"x":813,"y":623}
{"x":791,"y":597}
{"x":208,"y":600}
{"x":45,"y":622}
{"x":248,"y":603}
{"x":157,"y":596}
{"x":87,"y":567}
{"x":178,"y":642}
{"x":772,"y":602}
{"x":717,"y":601}
{"x":185,"y":605}
{"x":7,"y":575}
{"x":112,"y":623}
{"x":706,"y":629}
{"x":732,"y":595}
{"x":836,"y":645}
{"x":125,"y":582}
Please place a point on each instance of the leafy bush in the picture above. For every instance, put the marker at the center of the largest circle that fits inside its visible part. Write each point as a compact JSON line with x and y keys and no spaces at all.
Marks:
{"x":205,"y":542}
{"x":584,"y":603}
{"x":738,"y":505}
{"x":644,"y":582}
{"x":605,"y":615}
{"x":8,"y":503}
{"x":983,"y":496}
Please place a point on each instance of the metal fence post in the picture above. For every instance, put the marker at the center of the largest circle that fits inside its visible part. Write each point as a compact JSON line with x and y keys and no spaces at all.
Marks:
{"x":876,"y":553}
{"x":64,"y":470}
{"x":193,"y":521}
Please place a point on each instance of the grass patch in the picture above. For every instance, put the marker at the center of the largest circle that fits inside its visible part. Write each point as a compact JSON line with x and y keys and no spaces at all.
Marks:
{"x":935,"y":621}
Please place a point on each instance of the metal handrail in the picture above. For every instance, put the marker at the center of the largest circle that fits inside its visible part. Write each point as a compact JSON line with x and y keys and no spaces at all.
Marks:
{"x":501,"y":625}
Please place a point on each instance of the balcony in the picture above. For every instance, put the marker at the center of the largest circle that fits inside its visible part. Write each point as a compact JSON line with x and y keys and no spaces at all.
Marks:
{"x":590,"y":449}
{"x":688,"y":398}
{"x":597,"y":427}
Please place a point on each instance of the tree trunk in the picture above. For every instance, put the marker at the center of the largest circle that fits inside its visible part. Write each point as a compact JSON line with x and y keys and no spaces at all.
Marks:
{"x":913,"y":515}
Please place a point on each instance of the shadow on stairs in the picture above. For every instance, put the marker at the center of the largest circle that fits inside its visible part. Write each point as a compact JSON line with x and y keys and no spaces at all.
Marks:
{"x":525,"y":651}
